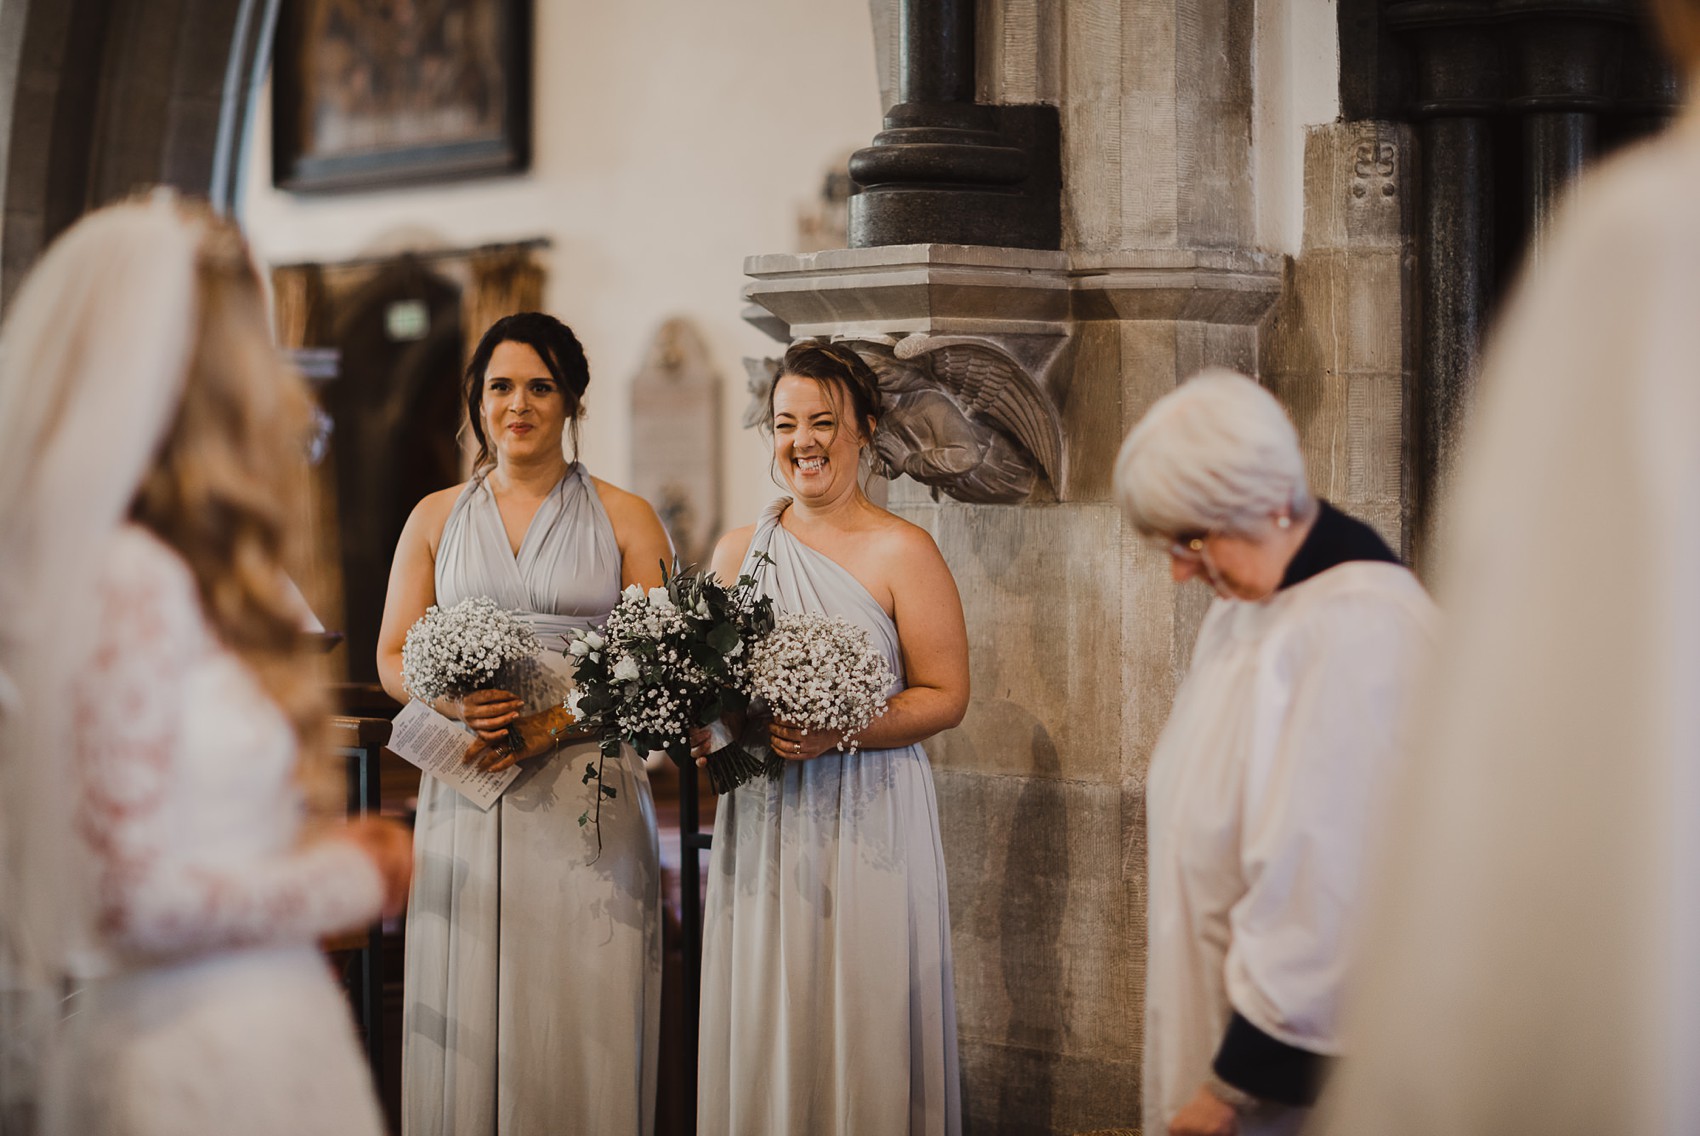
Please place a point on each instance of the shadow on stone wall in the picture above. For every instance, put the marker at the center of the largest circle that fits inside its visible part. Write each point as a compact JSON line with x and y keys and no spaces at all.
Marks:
{"x":1030,"y":919}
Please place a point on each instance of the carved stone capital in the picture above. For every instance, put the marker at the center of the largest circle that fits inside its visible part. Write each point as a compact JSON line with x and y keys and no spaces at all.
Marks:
{"x":974,"y":345}
{"x":1205,"y":285}
{"x":973,"y":290}
{"x":897,"y":289}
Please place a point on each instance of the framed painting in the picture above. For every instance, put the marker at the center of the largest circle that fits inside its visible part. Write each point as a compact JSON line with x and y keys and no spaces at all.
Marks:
{"x":370,"y":93}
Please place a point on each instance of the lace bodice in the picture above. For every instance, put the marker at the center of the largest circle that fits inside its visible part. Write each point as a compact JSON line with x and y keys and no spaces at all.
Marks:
{"x":188,"y":801}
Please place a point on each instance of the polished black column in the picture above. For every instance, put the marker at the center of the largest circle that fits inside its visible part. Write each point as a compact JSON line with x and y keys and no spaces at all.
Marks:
{"x":936,"y":51}
{"x":948,"y":170}
{"x":1457,"y":95}
{"x":1562,"y":52}
{"x":1512,"y":99}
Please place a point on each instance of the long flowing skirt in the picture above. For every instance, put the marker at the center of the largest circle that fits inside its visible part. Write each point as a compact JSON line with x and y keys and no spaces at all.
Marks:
{"x":828,"y":1005}
{"x":533,"y":994}
{"x":257,"y":1041}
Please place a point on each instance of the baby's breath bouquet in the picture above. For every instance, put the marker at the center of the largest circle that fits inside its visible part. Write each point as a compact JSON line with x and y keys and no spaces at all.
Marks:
{"x":453,"y":651}
{"x":821,"y":672}
{"x":669,"y":660}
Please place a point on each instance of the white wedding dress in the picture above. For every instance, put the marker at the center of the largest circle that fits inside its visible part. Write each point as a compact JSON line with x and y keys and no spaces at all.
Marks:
{"x":212,"y":1011}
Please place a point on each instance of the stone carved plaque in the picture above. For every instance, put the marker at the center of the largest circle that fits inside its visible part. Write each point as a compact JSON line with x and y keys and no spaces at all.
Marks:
{"x":676,"y":439}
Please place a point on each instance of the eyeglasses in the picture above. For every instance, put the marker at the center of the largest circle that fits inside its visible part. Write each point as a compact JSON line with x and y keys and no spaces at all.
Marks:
{"x":1185,"y":546}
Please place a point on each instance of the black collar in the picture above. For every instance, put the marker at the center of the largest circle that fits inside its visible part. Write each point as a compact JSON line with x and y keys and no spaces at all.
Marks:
{"x":1334,"y":539}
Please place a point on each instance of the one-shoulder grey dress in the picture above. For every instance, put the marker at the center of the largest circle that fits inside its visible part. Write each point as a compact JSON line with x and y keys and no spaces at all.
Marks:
{"x":827,"y":1003}
{"x":533,"y":991}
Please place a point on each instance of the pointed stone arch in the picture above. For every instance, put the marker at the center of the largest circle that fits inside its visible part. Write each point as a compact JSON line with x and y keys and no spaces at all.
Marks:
{"x":101,"y":97}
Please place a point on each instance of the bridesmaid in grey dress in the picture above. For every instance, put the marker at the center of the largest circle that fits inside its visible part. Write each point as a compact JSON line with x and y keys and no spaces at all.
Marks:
{"x":533,"y":972}
{"x":827,"y":1003}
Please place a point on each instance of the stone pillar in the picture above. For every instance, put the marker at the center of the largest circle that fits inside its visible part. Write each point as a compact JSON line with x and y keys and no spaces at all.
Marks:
{"x":1077,"y":635}
{"x":1340,"y":348}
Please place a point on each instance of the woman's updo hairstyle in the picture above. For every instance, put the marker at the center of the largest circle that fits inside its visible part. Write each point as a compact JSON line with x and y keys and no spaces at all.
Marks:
{"x":560,"y":351}
{"x":835,"y":364}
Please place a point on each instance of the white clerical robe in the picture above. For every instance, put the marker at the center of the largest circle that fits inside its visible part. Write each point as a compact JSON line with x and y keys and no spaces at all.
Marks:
{"x":1262,"y":792}
{"x":1536,"y":965}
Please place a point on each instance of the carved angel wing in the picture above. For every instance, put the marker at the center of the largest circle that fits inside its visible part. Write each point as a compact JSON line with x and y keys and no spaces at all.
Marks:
{"x":991,"y":385}
{"x":895,"y":376}
{"x":761,"y":374}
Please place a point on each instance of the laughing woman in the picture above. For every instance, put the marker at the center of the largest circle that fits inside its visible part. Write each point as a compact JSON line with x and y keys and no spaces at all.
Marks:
{"x":533,"y":951}
{"x":827,"y":999}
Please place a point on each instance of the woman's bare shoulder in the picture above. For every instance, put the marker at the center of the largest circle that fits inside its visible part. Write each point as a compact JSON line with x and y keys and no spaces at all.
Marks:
{"x":614,"y":498}
{"x":432,"y":513}
{"x":899,"y":537}
{"x":730,"y":550}
{"x":735,"y":542}
{"x":630,"y":514}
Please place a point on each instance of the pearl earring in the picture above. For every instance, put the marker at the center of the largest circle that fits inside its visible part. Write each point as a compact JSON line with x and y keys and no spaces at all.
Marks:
{"x":1283,"y":522}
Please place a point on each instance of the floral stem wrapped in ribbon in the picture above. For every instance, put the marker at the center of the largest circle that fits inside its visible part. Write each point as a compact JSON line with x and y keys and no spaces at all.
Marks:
{"x":821,"y":673}
{"x":668,"y":661}
{"x":452,"y":651}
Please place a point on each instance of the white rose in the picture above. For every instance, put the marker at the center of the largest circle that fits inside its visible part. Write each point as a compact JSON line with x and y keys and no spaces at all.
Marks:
{"x":572,"y":701}
{"x":632,"y":592}
{"x":658,"y":597}
{"x":579,"y":648}
{"x":595,"y":641}
{"x":626,"y":669}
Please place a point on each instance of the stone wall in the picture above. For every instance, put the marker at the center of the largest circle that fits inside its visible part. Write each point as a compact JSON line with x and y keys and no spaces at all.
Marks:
{"x":1340,"y":347}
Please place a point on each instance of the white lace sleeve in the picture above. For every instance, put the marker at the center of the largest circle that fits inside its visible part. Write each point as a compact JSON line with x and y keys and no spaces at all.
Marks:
{"x":158,"y":895}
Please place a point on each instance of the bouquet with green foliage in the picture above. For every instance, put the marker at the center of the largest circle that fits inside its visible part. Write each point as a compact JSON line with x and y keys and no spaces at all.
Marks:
{"x":668,"y":661}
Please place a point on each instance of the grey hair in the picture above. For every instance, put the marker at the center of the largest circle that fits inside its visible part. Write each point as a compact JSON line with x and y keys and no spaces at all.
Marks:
{"x":1216,"y":454}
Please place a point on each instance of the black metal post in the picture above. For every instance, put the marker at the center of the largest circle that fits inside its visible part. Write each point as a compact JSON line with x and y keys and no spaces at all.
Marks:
{"x":365,"y":799}
{"x":692,"y":842}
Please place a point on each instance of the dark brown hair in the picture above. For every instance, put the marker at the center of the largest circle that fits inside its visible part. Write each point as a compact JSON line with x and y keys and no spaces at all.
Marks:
{"x":834,"y":364}
{"x":560,"y":351}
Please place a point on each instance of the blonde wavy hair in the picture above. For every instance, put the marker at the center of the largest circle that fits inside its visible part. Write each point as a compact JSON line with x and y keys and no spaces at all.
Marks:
{"x":227,"y":489}
{"x":1679,"y":21}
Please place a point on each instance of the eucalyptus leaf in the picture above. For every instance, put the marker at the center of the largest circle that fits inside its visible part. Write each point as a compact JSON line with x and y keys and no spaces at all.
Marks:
{"x":724,"y":638}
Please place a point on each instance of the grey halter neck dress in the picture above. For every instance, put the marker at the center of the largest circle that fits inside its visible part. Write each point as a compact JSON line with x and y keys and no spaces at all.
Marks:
{"x":533,"y":973}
